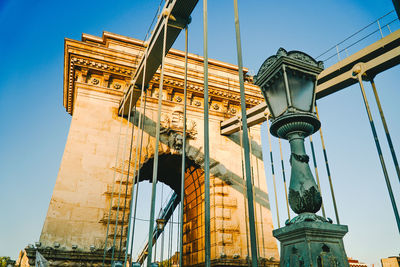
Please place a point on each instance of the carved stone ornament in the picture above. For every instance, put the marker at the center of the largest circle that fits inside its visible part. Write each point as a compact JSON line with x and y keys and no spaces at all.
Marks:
{"x":100,"y":65}
{"x":178,"y":99}
{"x":95,"y":81}
{"x":175,"y":142}
{"x":117,"y":86}
{"x":172,"y":127}
{"x":215,"y":106}
{"x":197,"y":103}
{"x":232,"y":111}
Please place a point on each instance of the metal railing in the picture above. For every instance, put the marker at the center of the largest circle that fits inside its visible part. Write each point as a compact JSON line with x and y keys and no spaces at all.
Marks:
{"x":375,"y":30}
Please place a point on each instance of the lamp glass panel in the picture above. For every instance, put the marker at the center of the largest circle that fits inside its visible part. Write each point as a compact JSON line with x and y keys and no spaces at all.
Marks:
{"x":301,"y":91}
{"x":275,"y":96}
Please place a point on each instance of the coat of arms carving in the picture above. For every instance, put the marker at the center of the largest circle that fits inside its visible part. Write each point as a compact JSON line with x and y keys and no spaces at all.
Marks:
{"x":172,"y":126}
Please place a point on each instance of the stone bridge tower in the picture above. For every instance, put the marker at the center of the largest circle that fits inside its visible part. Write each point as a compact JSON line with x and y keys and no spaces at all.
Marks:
{"x":97,"y":70}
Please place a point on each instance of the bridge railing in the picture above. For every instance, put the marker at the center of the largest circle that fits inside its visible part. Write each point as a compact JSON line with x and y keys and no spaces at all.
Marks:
{"x":367,"y":35}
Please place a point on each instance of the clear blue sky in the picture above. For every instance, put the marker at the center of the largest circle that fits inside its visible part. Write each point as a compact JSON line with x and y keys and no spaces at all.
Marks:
{"x":34,"y":124}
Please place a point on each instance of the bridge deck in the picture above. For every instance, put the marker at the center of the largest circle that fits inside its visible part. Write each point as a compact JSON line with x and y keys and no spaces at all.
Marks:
{"x":179,"y":11}
{"x":377,"y":57}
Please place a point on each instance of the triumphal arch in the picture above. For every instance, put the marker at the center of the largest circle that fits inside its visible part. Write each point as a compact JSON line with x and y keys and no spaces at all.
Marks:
{"x":97,"y":71}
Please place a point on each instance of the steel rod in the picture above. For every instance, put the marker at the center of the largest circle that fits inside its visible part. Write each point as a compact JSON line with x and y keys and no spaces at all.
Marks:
{"x":378,"y":147}
{"x":183,"y":167}
{"x":112,"y":189}
{"x":155,"y":163}
{"x":284,"y":178}
{"x":388,"y":138}
{"x":380,"y":29}
{"x":178,"y":233}
{"x":253,"y":182}
{"x":207,"y":234}
{"x":249,"y":184}
{"x":273,"y":174}
{"x":328,"y":172}
{"x":155,"y":251}
{"x":127,"y":183}
{"x":243,"y":175}
{"x":260,"y":207}
{"x":316,"y":174}
{"x":137,"y":177}
{"x":162,"y":246}
{"x":120,"y":182}
{"x":138,"y":150}
{"x":171,"y":228}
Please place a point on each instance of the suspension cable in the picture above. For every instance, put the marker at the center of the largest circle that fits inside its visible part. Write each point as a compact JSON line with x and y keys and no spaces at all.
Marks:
{"x":328,"y":172}
{"x":253,"y":183}
{"x":112,"y":188}
{"x":156,"y":149}
{"x":284,"y":178}
{"x":249,"y":185}
{"x":388,"y":138}
{"x":183,"y":167}
{"x":378,"y":148}
{"x":316,"y":175}
{"x":207,"y":235}
{"x":154,"y":18}
{"x":273,"y":173}
{"x":127,"y":183}
{"x":261,"y":212}
{"x":171,"y":228}
{"x":161,"y":209}
{"x":244,"y":199}
{"x":121,"y":178}
{"x":136,"y":176}
{"x":178,"y":232}
{"x":162,"y":246}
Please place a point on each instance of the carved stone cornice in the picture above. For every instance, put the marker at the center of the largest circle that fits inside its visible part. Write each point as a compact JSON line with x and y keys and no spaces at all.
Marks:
{"x":102,"y":66}
{"x":214,"y":92}
{"x":91,"y":61}
{"x":87,"y":65}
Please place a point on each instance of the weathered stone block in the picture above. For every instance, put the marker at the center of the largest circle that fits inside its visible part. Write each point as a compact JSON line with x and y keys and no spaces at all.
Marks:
{"x":223,"y":201}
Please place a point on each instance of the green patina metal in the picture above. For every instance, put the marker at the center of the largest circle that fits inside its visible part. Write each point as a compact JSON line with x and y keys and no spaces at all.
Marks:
{"x":304,"y":195}
{"x":207,"y":216}
{"x":287,"y":81}
{"x":246,"y":145}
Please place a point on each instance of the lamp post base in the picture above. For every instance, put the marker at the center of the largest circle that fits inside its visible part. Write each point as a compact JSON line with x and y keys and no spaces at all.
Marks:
{"x":312,"y":243}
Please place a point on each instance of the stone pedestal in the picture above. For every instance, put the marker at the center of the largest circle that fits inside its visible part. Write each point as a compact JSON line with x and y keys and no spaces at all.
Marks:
{"x":312,"y":243}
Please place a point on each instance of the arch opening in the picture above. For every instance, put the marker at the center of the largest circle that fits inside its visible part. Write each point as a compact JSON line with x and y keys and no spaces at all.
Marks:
{"x":169,"y":170}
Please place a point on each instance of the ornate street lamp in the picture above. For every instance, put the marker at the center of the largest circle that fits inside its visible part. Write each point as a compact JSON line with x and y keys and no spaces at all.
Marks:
{"x":288,"y":82}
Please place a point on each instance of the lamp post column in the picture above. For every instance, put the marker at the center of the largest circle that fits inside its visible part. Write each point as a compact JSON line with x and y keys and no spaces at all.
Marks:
{"x":287,"y":81}
{"x":304,"y":195}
